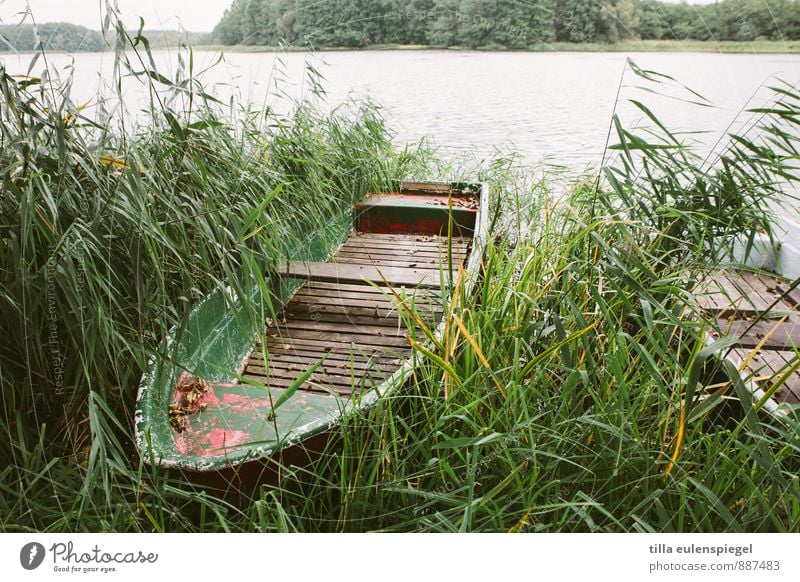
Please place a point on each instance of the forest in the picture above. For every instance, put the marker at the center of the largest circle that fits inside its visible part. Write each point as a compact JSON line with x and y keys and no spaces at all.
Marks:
{"x":55,"y":36}
{"x":62,"y":36}
{"x":488,"y":24}
{"x":511,"y":24}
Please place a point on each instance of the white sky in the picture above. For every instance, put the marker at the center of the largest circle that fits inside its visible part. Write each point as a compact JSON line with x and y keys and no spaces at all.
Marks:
{"x":193,"y":15}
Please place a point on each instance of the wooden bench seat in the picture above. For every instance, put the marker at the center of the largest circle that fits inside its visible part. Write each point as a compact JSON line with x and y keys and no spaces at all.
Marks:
{"x":359,"y":273}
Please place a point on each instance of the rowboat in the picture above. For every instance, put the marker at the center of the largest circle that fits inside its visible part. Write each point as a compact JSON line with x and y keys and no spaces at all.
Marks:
{"x":230,"y":390}
{"x":752,"y":304}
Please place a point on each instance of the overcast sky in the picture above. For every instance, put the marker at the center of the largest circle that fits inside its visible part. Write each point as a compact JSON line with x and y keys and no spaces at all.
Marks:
{"x":193,"y":15}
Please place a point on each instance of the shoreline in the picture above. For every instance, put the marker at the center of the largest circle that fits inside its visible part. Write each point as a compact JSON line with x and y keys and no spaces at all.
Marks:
{"x":641,"y":46}
{"x":727,"y":47}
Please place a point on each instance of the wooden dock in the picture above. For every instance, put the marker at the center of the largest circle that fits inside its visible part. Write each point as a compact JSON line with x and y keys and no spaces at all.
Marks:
{"x":766,"y":351}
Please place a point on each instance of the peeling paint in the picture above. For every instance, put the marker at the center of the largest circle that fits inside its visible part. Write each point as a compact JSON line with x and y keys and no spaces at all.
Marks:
{"x":213,"y":443}
{"x":242,"y":403}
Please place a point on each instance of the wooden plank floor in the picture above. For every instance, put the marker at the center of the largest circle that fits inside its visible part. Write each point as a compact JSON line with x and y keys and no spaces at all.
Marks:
{"x":352,"y":327}
{"x":733,"y":300}
{"x":774,"y":367}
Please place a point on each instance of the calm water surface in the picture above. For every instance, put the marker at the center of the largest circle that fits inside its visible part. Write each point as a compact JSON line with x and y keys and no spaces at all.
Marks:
{"x":547,"y":106}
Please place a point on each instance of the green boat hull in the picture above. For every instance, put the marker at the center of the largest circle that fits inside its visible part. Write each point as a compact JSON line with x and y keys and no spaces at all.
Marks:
{"x":241,"y":421}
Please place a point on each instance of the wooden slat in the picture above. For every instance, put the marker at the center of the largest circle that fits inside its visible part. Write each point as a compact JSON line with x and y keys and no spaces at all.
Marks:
{"x":769,"y":366}
{"x":389,"y":323}
{"x":373,"y":311}
{"x":283,"y":359}
{"x":331,"y":374}
{"x":792,"y":297}
{"x":369,"y":305}
{"x":319,"y":386}
{"x":762,"y":285}
{"x":409,"y":263}
{"x":345,"y":297}
{"x":283,"y":378}
{"x":345,"y":273}
{"x":427,"y":243}
{"x":754,"y":290}
{"x":369,"y":293}
{"x":430,"y":187}
{"x":393,"y":248}
{"x":786,"y":334}
{"x":333,"y":358}
{"x":322,"y":376}
{"x":406,"y":261}
{"x":740,"y":294}
{"x":380,"y":291}
{"x":331,"y":345}
{"x":307,"y":387}
{"x":332,"y":338}
{"x":738,"y":297}
{"x":400,"y":255}
{"x":361,"y":331}
{"x":363,"y":294}
{"x":357,"y":361}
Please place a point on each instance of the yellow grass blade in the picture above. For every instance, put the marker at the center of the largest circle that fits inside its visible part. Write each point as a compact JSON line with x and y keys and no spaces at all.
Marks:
{"x":478,"y":352}
{"x":678,"y":441}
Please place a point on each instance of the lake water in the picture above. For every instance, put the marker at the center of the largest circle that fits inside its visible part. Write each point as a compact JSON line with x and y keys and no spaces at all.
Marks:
{"x":547,"y":106}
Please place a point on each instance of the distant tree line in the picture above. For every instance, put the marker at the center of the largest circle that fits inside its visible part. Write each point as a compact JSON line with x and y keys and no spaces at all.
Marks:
{"x":62,"y":36}
{"x":58,"y":36}
{"x":514,"y":24}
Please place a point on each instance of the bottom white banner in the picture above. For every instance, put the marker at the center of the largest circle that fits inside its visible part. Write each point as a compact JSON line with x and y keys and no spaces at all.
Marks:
{"x":386,"y":558}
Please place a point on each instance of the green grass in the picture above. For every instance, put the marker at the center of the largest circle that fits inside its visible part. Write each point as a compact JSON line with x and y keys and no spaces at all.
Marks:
{"x":556,"y":397}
